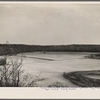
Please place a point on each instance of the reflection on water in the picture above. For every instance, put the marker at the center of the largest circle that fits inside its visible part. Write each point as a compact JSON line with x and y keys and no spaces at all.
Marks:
{"x":51,"y":65}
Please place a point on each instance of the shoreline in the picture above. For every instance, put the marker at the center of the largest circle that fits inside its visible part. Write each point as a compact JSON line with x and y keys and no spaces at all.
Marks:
{"x":81,"y":78}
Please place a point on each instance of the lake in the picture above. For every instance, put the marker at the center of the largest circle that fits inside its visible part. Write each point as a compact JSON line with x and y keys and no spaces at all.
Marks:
{"x":51,"y":65}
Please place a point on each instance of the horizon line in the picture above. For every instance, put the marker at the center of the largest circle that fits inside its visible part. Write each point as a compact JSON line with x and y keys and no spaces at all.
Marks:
{"x":45,"y":44}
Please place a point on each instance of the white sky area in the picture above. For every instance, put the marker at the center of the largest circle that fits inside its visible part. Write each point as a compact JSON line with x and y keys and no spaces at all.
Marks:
{"x":50,"y":23}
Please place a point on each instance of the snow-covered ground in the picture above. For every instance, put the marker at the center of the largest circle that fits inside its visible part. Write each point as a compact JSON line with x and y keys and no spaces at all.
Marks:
{"x":51,"y":65}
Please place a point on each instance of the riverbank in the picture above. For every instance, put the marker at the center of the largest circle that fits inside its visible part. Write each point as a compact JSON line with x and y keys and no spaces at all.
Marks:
{"x":81,"y":78}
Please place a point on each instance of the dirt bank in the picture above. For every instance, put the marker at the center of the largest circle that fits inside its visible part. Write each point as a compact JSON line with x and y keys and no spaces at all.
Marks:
{"x":81,"y":78}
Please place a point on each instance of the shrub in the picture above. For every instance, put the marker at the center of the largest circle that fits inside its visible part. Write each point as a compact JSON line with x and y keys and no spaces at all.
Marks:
{"x":3,"y":61}
{"x":12,"y":75}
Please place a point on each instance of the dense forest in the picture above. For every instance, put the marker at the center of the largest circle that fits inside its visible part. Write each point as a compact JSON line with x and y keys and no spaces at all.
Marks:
{"x":21,"y":48}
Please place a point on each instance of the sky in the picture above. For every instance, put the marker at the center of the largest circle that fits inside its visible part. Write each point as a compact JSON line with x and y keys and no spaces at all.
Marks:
{"x":50,"y":23}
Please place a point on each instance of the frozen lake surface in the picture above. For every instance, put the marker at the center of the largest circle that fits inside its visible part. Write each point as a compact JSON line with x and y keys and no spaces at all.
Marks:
{"x":51,"y":65}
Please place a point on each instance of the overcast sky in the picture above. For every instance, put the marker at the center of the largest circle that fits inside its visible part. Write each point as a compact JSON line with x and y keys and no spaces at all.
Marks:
{"x":50,"y":23}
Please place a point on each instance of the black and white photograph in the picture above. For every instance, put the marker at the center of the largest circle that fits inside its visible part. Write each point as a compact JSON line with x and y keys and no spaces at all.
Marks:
{"x":49,"y":44}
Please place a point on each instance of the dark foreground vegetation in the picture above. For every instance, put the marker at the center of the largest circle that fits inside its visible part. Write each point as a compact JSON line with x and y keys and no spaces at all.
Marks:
{"x":81,"y":78}
{"x":20,"y":48}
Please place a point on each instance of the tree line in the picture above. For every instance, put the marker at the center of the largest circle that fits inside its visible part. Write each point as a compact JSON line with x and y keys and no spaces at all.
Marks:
{"x":21,"y":48}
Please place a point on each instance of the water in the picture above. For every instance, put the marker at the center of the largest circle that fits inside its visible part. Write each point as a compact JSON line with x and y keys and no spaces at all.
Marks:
{"x":51,"y":65}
